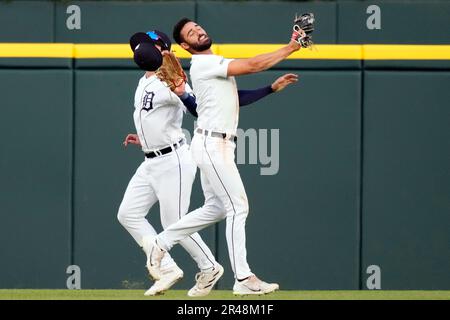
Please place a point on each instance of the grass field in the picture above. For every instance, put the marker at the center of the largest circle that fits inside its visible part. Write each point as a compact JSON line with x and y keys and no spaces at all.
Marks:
{"x":25,"y":294}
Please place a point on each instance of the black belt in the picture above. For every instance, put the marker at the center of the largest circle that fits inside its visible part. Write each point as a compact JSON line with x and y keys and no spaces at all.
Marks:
{"x":164,"y":151}
{"x":217,"y":134}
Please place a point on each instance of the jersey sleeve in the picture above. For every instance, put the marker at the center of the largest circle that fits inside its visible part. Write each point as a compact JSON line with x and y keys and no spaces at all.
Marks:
{"x":216,"y":68}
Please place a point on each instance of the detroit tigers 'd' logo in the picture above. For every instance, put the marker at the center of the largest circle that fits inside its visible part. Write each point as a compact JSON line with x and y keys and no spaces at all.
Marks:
{"x":147,"y":101}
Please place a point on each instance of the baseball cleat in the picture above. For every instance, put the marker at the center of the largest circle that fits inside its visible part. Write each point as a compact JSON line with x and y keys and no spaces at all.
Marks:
{"x":253,"y":285}
{"x":168,"y":278}
{"x":206,"y":281}
{"x":154,"y":257}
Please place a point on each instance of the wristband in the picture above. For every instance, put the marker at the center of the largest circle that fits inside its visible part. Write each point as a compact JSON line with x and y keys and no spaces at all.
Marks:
{"x":184,"y":96}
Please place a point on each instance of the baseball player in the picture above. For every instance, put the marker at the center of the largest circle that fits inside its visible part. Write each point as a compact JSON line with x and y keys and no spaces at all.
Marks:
{"x":213,"y":148}
{"x":168,"y":172}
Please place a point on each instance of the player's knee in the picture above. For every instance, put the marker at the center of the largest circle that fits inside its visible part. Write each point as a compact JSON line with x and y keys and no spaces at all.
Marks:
{"x":246,"y":208}
{"x":238,"y":212}
{"x":242,"y":206}
{"x":214,"y":210}
{"x":122,"y":216}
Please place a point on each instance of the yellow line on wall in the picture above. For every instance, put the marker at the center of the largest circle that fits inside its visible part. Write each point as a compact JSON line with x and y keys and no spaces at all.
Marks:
{"x":323,"y":51}
{"x":102,"y":51}
{"x":318,"y":52}
{"x":36,"y":50}
{"x":118,"y":51}
{"x":406,"y":52}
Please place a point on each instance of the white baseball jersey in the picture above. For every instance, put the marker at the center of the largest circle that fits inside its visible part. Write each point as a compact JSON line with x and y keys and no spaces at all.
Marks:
{"x":225,"y":197}
{"x":158,"y":114}
{"x":216,"y":94}
{"x":166,"y":179}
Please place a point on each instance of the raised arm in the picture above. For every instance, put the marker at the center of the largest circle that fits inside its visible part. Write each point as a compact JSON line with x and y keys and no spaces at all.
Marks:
{"x":261,"y":62}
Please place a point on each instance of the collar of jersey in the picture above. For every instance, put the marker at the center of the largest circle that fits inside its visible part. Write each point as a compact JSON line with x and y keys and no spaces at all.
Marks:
{"x":196,"y":56}
{"x":152,"y":78}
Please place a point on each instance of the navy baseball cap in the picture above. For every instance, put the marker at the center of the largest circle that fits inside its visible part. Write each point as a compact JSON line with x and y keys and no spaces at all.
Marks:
{"x":147,"y":56}
{"x":137,"y":38}
{"x":154,"y":36}
{"x":161,"y":38}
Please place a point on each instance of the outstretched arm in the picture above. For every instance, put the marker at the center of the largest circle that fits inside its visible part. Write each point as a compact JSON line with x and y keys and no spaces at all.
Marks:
{"x":246,"y":97}
{"x":261,"y":62}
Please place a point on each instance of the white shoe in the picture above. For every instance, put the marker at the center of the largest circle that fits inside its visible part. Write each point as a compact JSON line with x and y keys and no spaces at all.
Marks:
{"x":154,"y":257}
{"x":253,"y":285}
{"x":168,"y":278}
{"x":205,"y":281}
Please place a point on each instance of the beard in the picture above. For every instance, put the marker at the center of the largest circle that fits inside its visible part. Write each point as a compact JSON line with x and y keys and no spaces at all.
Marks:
{"x":203,"y":46}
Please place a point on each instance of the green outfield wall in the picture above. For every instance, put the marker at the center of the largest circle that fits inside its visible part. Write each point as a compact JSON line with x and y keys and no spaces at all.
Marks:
{"x":351,"y":170}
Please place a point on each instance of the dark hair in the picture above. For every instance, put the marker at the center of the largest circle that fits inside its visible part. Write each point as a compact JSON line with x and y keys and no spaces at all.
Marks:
{"x":177,"y":30}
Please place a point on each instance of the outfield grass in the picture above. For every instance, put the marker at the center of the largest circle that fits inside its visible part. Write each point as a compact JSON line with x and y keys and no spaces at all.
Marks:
{"x":25,"y":294}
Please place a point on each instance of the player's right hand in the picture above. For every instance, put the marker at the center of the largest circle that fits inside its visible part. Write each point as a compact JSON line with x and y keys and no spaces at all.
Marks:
{"x":132,"y":138}
{"x":294,"y":45}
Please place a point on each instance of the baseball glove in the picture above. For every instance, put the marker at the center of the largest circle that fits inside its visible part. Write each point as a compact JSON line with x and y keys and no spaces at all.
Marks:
{"x":302,"y":29}
{"x":171,"y":71}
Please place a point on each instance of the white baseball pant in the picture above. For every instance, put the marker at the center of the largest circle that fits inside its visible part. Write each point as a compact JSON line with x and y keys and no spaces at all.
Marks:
{"x":167,"y":179}
{"x":225,"y":197}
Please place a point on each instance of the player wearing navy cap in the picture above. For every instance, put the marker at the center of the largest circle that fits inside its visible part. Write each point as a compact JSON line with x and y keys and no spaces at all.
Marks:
{"x":167,"y":173}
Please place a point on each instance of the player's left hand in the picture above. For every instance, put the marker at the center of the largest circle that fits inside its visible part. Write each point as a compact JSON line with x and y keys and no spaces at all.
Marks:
{"x":132,"y":138}
{"x":283,"y":81}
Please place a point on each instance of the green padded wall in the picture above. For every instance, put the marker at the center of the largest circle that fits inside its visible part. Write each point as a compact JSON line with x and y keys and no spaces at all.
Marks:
{"x":35,"y":183}
{"x":115,"y":22}
{"x":262,"y":22}
{"x":396,"y":19}
{"x":38,"y":63}
{"x":26,"y":21}
{"x":406,"y":178}
{"x":226,"y":21}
